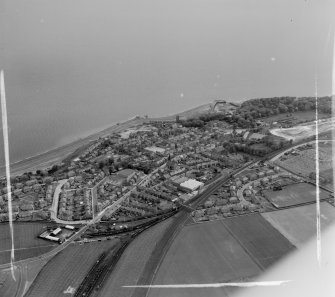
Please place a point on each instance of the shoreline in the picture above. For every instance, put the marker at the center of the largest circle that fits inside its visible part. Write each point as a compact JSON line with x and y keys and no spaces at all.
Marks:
{"x":48,"y":158}
{"x":75,"y":139}
{"x":55,"y":155}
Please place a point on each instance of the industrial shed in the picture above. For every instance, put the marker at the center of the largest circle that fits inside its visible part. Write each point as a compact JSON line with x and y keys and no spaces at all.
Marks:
{"x":191,"y":185}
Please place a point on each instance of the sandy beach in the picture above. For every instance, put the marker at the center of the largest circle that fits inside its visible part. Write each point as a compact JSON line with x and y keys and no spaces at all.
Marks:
{"x":56,"y":155}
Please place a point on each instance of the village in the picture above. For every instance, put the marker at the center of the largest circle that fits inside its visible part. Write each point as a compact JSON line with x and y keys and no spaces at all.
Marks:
{"x":149,"y":170}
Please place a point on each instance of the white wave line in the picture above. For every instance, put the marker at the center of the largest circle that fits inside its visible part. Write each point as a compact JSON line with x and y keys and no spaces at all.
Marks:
{"x":317,"y":171}
{"x":6,"y":149}
{"x":213,"y":285}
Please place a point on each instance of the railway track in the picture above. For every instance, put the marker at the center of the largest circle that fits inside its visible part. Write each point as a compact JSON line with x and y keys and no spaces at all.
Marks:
{"x":99,"y":272}
{"x":97,"y":275}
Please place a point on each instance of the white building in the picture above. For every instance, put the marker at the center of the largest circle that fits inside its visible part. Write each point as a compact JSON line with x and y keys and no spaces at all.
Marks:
{"x":155,"y":149}
{"x":191,"y":185}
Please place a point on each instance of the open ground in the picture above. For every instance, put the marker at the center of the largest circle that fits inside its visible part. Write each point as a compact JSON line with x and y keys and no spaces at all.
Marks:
{"x":132,"y":262}
{"x":69,"y":268}
{"x":298,"y":224}
{"x":295,"y":194}
{"x":228,"y":250}
{"x":298,"y":116}
{"x":306,"y":130}
{"x":263,"y":242}
{"x":25,"y":273}
{"x":26,"y":243}
{"x":304,"y":163}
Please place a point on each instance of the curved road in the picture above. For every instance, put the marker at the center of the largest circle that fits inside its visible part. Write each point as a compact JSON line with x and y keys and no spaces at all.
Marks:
{"x":183,"y":216}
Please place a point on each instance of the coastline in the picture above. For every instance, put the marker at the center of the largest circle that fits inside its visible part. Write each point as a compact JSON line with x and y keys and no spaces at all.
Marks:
{"x":48,"y":158}
{"x":55,"y":155}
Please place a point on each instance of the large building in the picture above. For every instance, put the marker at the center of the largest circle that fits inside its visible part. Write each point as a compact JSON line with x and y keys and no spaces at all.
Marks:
{"x":155,"y":149}
{"x":127,"y":174}
{"x":191,"y":185}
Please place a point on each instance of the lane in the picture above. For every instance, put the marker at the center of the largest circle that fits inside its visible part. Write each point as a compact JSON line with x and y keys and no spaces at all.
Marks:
{"x":168,"y":238}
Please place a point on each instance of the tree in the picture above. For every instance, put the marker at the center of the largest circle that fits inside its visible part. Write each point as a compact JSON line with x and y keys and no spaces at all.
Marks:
{"x":282,"y":108}
{"x":101,"y":164}
{"x":53,"y":169}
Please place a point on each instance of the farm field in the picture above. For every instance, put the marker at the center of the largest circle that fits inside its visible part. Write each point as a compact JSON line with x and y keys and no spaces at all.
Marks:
{"x":328,"y":175}
{"x":8,"y":286}
{"x":69,"y":268}
{"x":130,"y":266}
{"x":25,"y":273}
{"x":296,"y":117}
{"x":298,"y":224}
{"x":304,"y":162}
{"x":257,"y":236}
{"x":203,"y":253}
{"x":294,"y":194}
{"x":26,"y":242}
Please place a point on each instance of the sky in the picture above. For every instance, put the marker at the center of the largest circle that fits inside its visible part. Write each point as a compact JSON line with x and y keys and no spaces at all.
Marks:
{"x":72,"y":66}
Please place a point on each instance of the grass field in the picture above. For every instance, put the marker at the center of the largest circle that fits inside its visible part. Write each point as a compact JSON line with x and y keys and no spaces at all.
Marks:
{"x":8,"y":286}
{"x":26,"y":242}
{"x":131,"y":264}
{"x":67,"y":269}
{"x":294,"y":194}
{"x":298,"y":224}
{"x":257,"y":236}
{"x":305,"y":162}
{"x":299,"y":116}
{"x":203,"y":253}
{"x":25,"y":273}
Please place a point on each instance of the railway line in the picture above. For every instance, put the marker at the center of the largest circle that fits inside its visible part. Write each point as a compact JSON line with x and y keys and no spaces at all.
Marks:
{"x":153,"y":265}
{"x":105,"y":265}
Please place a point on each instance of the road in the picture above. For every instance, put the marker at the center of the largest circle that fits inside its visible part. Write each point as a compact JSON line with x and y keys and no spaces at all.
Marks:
{"x":172,"y":232}
{"x":182,"y":218}
{"x":56,"y":155}
{"x":54,"y":206}
{"x":168,"y":238}
{"x":22,"y":266}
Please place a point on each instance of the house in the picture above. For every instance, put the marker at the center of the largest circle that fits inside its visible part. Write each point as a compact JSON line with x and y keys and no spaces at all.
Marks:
{"x":252,"y":176}
{"x":233,"y":200}
{"x":247,"y":193}
{"x":276,"y":169}
{"x":27,"y":189}
{"x":71,"y":173}
{"x":256,"y":136}
{"x":237,"y":207}
{"x":17,"y":192}
{"x":212,"y":211}
{"x":245,"y":179}
{"x":221,"y":202}
{"x":264,"y":180}
{"x":208,"y":204}
{"x":253,"y":207}
{"x":31,"y":182}
{"x":261,"y":174}
{"x":225,"y":209}
{"x":232,"y":188}
{"x":155,"y":149}
{"x":270,"y":172}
